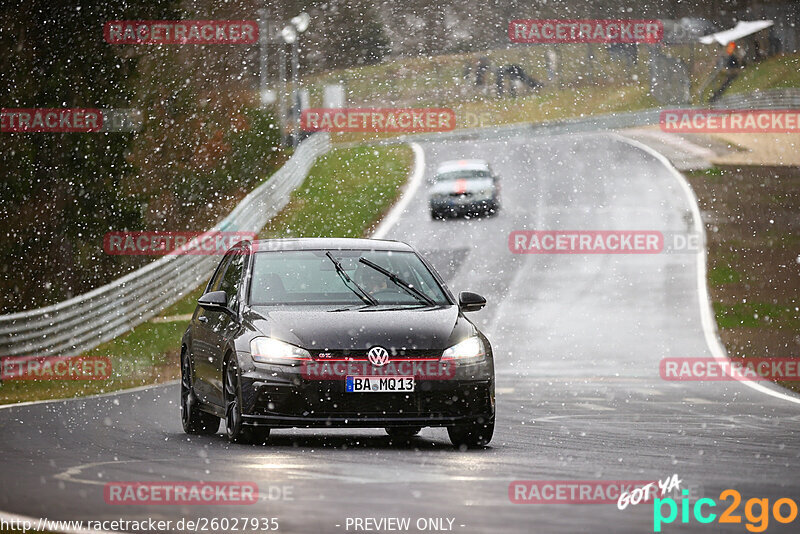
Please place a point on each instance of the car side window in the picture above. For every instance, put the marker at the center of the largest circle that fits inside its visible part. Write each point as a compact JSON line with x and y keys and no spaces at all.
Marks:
{"x":232,"y":278}
{"x":217,"y":280}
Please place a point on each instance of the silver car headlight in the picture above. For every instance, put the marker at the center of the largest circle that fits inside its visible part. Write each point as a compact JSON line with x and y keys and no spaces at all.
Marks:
{"x":269,"y":350}
{"x":471,"y":350}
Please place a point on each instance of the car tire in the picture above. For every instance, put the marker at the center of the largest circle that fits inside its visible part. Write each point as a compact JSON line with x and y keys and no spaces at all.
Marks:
{"x":194,"y":420}
{"x":471,"y":435}
{"x":436,"y":215}
{"x":403,"y":432}
{"x":235,"y":429}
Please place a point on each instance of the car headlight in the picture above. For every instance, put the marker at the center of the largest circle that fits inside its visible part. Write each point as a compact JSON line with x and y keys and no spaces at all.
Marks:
{"x":269,"y":350}
{"x":471,"y":350}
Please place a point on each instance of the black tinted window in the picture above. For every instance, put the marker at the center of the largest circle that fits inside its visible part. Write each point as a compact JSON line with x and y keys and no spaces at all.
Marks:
{"x":217,"y":280}
{"x":309,"y":277}
{"x":462,"y":175}
{"x":232,"y":278}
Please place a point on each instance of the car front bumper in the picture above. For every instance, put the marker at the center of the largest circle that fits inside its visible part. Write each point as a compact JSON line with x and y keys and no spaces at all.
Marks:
{"x":462,"y":207}
{"x":279,"y":396}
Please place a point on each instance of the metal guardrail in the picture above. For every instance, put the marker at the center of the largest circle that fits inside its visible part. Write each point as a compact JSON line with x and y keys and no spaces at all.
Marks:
{"x":81,"y":323}
{"x":771,"y":99}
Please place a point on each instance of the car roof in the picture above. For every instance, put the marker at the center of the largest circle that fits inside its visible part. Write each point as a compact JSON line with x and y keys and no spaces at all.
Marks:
{"x":463,"y":165}
{"x":329,"y":243}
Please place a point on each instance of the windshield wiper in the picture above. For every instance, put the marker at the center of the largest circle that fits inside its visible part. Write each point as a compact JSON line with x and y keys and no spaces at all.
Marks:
{"x":402,"y":284}
{"x":357,"y":289}
{"x":352,"y":307}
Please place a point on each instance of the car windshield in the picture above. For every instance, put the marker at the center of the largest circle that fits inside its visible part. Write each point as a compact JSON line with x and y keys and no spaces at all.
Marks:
{"x":462,"y":175}
{"x":307,"y":277}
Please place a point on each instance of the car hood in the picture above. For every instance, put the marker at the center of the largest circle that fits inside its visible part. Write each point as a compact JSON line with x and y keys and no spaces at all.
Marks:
{"x":462,"y":186}
{"x":358,"y":329}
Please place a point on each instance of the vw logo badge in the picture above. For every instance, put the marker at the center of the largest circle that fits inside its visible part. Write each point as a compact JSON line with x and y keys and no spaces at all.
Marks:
{"x":378,"y":356}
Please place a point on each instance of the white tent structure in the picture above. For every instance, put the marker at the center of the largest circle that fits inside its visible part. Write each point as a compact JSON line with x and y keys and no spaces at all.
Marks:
{"x":742,"y":29}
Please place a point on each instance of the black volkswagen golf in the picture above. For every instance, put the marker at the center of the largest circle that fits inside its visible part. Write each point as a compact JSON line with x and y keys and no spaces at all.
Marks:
{"x":334,"y":333}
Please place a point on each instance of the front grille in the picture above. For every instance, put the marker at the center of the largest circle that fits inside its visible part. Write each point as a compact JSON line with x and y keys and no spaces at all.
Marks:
{"x":332,"y":401}
{"x":361,"y":355}
{"x":327,"y":398}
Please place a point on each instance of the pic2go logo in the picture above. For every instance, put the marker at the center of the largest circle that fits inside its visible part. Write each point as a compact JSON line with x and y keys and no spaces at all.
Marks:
{"x":758,"y":521}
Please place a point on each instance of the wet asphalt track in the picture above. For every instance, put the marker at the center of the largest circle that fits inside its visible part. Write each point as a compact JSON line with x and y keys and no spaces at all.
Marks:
{"x":577,"y":341}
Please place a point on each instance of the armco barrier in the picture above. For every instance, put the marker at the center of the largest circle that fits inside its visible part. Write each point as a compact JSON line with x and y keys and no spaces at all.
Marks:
{"x":83,"y":322}
{"x":771,"y":99}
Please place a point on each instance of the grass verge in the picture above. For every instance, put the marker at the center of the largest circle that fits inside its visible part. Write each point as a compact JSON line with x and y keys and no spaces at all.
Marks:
{"x":585,"y":88}
{"x":754,"y":266}
{"x":345,"y":194}
{"x":776,"y":73}
{"x":547,"y":105}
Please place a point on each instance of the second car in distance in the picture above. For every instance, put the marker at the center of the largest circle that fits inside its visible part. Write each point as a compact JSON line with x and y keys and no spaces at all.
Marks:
{"x":464,"y":188}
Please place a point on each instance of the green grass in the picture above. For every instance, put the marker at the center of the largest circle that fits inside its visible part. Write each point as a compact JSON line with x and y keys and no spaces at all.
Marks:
{"x":548,"y":105}
{"x":345,"y":194}
{"x":711,"y":172}
{"x":756,"y":315}
{"x":348,"y":190}
{"x":608,"y":86}
{"x":779,"y":72}
{"x":723,"y":274}
{"x":438,"y":80}
{"x":148,"y":354}
{"x":560,"y":104}
{"x":752,"y":258}
{"x":584,"y":87}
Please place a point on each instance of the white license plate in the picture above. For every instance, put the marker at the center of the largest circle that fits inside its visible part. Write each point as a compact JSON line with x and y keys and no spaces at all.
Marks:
{"x":379,"y":384}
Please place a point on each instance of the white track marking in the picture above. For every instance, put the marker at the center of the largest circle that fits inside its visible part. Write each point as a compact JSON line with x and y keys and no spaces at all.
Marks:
{"x":98,"y":396}
{"x":675,"y":141}
{"x":413,"y":184}
{"x":706,"y":315}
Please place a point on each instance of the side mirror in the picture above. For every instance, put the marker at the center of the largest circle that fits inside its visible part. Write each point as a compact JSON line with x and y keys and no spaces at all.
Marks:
{"x":469,"y":301}
{"x":214,"y":301}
